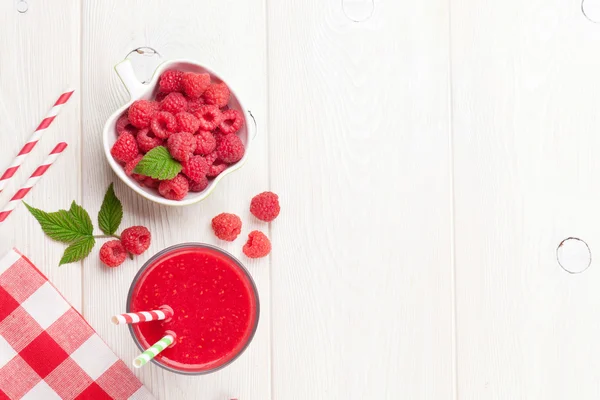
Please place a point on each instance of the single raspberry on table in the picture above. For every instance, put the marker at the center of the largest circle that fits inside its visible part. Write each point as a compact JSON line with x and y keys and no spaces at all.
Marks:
{"x":130,"y":166}
{"x":258,"y":245}
{"x":181,"y":145}
{"x":227,"y":226}
{"x":217,"y":94}
{"x":125,"y":148}
{"x":232,"y":122}
{"x":147,"y":140}
{"x":195,"y":104}
{"x":186,"y":122}
{"x":209,"y":117}
{"x":194,"y":84}
{"x":174,"y":103}
{"x":230,"y":149}
{"x":136,"y":239}
{"x":170,"y":81}
{"x":163,"y":124}
{"x":216,"y":169}
{"x":141,"y":112}
{"x":199,"y":185}
{"x":174,"y":189}
{"x":113,"y":253}
{"x":265,"y":206}
{"x":205,"y":143}
{"x":125,"y":126}
{"x":195,"y":168}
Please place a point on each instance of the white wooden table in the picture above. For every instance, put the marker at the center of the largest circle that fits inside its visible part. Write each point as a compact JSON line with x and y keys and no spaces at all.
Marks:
{"x":429,"y":161}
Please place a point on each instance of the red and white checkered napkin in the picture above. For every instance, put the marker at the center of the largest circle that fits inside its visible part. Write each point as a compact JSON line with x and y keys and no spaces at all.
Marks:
{"x":47,"y":350}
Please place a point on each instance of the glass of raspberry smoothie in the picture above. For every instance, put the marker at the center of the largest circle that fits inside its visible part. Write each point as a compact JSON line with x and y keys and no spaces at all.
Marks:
{"x":214,"y":301}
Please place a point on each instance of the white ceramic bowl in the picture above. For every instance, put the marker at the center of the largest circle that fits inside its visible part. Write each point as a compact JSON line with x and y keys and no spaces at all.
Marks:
{"x":138,"y":91}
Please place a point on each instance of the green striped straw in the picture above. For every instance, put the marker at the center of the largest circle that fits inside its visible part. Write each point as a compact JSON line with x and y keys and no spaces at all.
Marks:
{"x":153,"y":351}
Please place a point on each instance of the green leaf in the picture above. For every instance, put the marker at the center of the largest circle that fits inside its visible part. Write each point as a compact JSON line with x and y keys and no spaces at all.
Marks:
{"x":111,"y":212}
{"x":78,"y":250}
{"x":158,"y":164}
{"x":63,"y":226}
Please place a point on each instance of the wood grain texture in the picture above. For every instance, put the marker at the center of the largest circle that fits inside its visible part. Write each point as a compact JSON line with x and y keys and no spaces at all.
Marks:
{"x":229,"y":37}
{"x":361,"y":263}
{"x":39,"y":59}
{"x":526,"y":166}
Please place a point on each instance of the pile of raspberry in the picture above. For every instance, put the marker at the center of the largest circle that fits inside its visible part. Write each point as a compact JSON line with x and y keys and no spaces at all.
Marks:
{"x":189,"y":116}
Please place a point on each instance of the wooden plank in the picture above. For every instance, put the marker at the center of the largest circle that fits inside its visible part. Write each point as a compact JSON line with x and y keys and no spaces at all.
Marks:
{"x":230,"y":38}
{"x":361,"y":271}
{"x":39,"y":59}
{"x":526,"y":167}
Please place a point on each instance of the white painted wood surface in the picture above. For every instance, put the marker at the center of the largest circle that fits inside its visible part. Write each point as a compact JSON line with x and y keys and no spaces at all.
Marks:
{"x":429,"y":160}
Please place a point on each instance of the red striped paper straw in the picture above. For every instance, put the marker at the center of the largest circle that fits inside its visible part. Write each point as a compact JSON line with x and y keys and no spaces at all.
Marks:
{"x":35,"y":137}
{"x":37,"y":174}
{"x":163,"y":312}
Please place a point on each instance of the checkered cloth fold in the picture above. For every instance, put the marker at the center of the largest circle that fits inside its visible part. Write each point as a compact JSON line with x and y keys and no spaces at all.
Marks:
{"x":47,"y":350}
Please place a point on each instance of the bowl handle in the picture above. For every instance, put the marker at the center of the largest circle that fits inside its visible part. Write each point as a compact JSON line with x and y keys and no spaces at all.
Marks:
{"x":125,"y":71}
{"x":255,"y":129}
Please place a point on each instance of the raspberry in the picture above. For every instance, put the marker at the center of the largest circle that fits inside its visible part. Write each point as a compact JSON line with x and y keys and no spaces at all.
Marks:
{"x":124,"y":126}
{"x":232,"y":122}
{"x":174,"y":189}
{"x":125,"y":148}
{"x":209,"y":116}
{"x":205,"y":143}
{"x":265,"y":206}
{"x":258,"y":245}
{"x":216,"y":169}
{"x":211,"y":158}
{"x":136,"y":239}
{"x":163,"y":124}
{"x":194,"y":84}
{"x":195,"y":168}
{"x":170,"y":81}
{"x":173,"y":103}
{"x":181,"y":145}
{"x":230,"y":149}
{"x":130,"y":166}
{"x":141,"y":112}
{"x":149,"y":182}
{"x":112,"y":253}
{"x":160,"y":96}
{"x":227,"y":226}
{"x":217,"y":94}
{"x":200,"y":185}
{"x":195,"y":104}
{"x":186,"y":122}
{"x":147,"y":140}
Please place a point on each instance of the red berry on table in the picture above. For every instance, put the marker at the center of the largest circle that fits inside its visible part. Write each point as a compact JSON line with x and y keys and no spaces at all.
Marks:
{"x":205,"y":143}
{"x":141,"y":112}
{"x":216,"y":169}
{"x":194,"y":84}
{"x":217,"y":94}
{"x":186,"y":122}
{"x":195,"y":168}
{"x":173,"y":103}
{"x":174,"y":189}
{"x":232,"y":122}
{"x":209,"y":117}
{"x":170,"y":81}
{"x":199,"y":185}
{"x":136,"y":239}
{"x":265,"y":206}
{"x":181,"y":145}
{"x":227,"y":226}
{"x":230,"y":149}
{"x":163,"y":124}
{"x":147,"y":140}
{"x":125,"y":126}
{"x":258,"y":245}
{"x":125,"y":148}
{"x":112,"y":253}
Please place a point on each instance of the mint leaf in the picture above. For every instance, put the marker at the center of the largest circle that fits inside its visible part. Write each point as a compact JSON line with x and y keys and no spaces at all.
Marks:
{"x":81,"y":218}
{"x":78,"y":250}
{"x":111,"y":212}
{"x":63,"y":226}
{"x":158,"y":164}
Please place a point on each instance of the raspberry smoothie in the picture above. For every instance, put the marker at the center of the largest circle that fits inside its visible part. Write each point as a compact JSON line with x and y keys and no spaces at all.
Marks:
{"x":215,"y":306}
